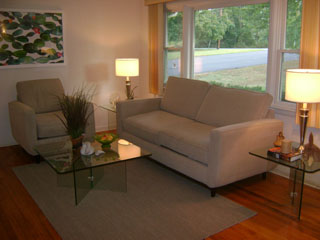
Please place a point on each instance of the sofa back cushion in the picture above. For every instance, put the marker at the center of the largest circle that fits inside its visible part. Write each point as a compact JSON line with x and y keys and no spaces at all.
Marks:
{"x":41,"y":94}
{"x":225,"y":106}
{"x":183,"y":97}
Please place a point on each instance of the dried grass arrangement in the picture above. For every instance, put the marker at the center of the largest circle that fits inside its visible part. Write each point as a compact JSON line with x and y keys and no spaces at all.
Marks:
{"x":76,"y":111}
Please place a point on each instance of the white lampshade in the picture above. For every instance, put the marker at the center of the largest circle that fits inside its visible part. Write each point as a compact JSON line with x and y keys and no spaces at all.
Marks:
{"x":303,"y":85}
{"x":127,"y":67}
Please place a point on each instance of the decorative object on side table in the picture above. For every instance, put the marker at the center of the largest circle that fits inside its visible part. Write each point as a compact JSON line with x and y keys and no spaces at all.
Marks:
{"x":106,"y":139}
{"x":303,"y":86}
{"x":286,"y":146}
{"x":75,"y":109}
{"x":311,"y":152}
{"x":113,"y":99}
{"x":278,"y":141}
{"x":127,"y":67}
{"x":87,"y":149}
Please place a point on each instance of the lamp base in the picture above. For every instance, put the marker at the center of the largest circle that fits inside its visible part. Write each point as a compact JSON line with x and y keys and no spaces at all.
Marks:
{"x":303,"y":117}
{"x":128,"y":89}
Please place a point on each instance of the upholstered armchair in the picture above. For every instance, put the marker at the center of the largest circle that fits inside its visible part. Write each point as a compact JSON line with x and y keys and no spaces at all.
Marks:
{"x":33,"y":116}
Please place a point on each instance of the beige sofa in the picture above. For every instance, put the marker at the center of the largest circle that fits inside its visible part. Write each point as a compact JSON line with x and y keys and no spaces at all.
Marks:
{"x":33,"y":116}
{"x":202,"y":131}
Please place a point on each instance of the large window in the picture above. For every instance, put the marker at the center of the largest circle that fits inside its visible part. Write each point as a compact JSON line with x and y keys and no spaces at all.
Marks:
{"x":242,"y":46}
{"x":231,"y":46}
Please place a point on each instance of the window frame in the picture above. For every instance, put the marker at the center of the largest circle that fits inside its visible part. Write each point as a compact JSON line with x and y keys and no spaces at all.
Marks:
{"x":278,"y":35}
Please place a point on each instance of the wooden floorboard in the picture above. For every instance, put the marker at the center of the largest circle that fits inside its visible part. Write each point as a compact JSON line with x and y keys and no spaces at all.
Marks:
{"x":21,"y":218}
{"x":275,"y":217}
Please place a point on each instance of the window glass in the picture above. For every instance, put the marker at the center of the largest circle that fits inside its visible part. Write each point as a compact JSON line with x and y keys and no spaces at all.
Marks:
{"x":288,"y":61}
{"x":289,"y":57}
{"x":293,"y":24}
{"x":231,"y":46}
{"x":172,"y":64}
{"x":173,"y":45}
{"x":174,"y":29}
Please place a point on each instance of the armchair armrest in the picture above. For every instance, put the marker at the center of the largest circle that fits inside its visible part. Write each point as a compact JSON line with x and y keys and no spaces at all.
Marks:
{"x":23,"y":125}
{"x":229,"y":158}
{"x":129,"y":108}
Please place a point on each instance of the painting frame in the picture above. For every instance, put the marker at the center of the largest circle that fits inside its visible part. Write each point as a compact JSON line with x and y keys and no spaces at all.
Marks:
{"x":31,"y":38}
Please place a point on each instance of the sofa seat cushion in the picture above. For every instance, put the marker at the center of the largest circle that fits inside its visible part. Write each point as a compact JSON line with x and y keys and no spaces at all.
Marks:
{"x":184,"y":96}
{"x":189,"y":138}
{"x":49,"y":125}
{"x":148,"y":125}
{"x":226,"y":106}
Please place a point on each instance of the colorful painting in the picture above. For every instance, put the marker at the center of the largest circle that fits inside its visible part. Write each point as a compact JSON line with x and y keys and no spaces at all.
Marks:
{"x":31,"y":38}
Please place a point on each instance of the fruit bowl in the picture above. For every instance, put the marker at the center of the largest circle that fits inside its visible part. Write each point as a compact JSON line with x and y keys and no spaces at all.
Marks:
{"x":105,"y":139}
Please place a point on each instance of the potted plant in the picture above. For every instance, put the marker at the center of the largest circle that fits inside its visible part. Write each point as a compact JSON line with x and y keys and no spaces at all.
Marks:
{"x":75,"y":109}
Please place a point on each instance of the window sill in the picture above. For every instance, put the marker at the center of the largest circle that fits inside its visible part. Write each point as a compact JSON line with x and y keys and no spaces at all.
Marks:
{"x":287,"y":110}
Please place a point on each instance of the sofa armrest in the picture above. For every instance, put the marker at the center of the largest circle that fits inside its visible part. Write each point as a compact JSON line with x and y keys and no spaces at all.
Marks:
{"x":129,"y":108}
{"x":229,"y":158}
{"x":23,"y":125}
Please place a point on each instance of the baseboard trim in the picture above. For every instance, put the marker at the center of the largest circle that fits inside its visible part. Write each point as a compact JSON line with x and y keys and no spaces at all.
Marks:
{"x":102,"y":128}
{"x":286,"y":176}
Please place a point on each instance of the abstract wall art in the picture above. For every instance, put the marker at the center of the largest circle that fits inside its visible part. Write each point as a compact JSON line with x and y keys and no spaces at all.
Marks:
{"x":31,"y":38}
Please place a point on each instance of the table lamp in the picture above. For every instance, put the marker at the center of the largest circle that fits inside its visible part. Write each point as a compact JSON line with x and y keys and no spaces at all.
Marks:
{"x":303,"y":86}
{"x":127,"y":67}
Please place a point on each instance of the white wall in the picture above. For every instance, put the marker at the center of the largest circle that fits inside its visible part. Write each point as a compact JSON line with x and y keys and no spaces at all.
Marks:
{"x":292,"y":132}
{"x":95,"y":33}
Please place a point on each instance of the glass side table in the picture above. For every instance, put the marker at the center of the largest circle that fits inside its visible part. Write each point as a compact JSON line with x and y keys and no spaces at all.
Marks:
{"x":112,"y":111}
{"x":308,"y":164}
{"x":109,"y":108}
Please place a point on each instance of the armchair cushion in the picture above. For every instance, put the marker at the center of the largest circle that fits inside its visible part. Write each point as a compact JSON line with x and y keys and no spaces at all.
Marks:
{"x":227,"y":106}
{"x":41,"y":95}
{"x":49,"y":125}
{"x":184,"y":96}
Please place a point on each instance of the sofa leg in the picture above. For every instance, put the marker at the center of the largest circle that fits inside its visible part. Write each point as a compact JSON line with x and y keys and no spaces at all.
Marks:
{"x":213,"y":192}
{"x":37,"y":158}
{"x":264,"y":175}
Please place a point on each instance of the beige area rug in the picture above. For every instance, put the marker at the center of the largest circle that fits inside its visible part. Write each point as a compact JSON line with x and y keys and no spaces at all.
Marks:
{"x":159,"y":204}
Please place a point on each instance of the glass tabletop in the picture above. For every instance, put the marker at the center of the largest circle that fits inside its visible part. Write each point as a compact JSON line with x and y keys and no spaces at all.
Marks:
{"x":310,"y":161}
{"x":62,"y":158}
{"x":109,"y":107}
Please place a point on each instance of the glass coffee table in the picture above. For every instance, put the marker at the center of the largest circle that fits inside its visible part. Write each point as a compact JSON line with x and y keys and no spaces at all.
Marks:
{"x":85,"y":172}
{"x":309,"y":163}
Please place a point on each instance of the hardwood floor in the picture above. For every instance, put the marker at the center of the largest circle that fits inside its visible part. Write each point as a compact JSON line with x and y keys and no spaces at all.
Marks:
{"x":275,"y":218}
{"x":21,"y":218}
